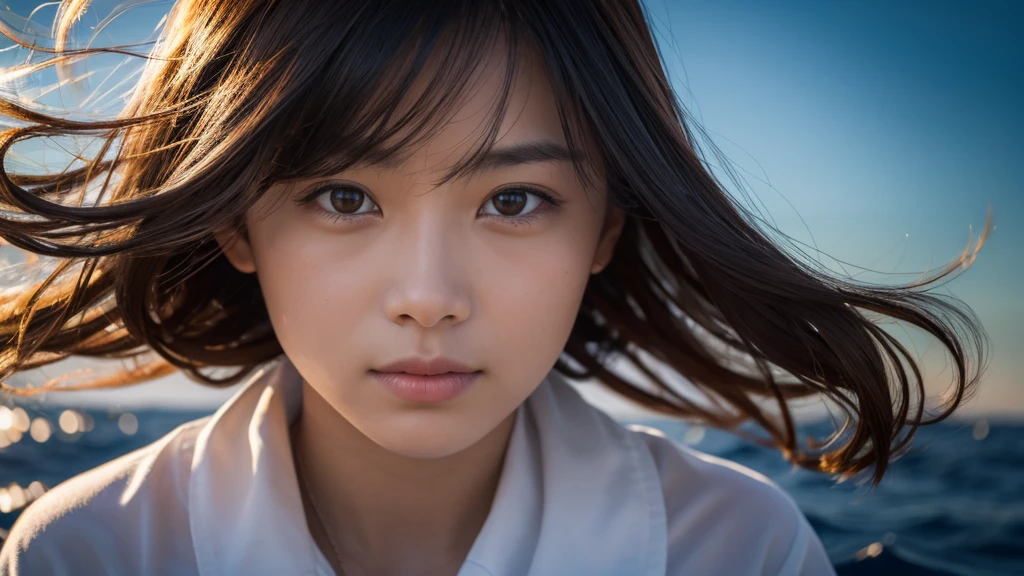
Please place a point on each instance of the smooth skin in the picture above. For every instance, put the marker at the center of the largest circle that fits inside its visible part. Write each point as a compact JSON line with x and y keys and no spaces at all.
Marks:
{"x":385,"y":265}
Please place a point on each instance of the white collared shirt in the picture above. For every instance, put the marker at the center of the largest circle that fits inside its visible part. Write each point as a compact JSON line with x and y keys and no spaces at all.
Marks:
{"x":579,"y":493}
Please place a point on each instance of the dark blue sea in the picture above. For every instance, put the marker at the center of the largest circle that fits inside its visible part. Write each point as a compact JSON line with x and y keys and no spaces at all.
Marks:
{"x":952,"y":505}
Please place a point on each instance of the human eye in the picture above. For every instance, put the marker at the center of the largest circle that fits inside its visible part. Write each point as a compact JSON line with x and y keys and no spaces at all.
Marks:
{"x":336,"y":201}
{"x":520,"y":204}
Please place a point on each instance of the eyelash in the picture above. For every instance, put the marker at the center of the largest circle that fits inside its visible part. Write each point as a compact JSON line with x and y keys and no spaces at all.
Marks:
{"x":549,"y":203}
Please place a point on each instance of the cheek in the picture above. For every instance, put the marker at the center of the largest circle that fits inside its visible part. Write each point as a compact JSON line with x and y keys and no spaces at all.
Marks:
{"x":316,"y":298}
{"x":530,"y":307}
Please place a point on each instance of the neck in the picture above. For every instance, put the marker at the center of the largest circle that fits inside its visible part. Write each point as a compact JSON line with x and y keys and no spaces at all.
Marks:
{"x":387,"y":513}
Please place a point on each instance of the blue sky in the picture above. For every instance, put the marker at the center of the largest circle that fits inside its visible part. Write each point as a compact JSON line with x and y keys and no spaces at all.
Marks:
{"x":886,"y":130}
{"x":879,"y":132}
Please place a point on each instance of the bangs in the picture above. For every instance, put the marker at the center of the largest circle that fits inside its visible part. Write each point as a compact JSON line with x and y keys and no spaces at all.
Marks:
{"x":375,"y":93}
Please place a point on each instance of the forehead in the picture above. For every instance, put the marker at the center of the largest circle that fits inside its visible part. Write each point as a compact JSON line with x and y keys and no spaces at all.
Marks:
{"x":529,"y":129}
{"x":442,"y":107}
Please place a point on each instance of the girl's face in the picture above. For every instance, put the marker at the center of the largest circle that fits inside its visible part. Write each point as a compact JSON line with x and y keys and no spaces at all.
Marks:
{"x":482,"y":270}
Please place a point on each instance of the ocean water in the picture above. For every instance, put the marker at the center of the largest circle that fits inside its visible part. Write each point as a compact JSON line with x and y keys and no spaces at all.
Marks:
{"x":952,"y":505}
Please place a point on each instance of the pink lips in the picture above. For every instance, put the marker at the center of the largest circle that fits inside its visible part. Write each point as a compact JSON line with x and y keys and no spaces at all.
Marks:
{"x":426,"y":389}
{"x":419,"y":379}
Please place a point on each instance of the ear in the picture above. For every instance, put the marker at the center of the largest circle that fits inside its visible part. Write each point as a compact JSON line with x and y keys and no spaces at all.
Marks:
{"x":235,"y":245}
{"x":614,"y":220}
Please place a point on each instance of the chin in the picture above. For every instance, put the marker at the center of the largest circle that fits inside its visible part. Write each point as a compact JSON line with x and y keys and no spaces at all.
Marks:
{"x":424,"y":435}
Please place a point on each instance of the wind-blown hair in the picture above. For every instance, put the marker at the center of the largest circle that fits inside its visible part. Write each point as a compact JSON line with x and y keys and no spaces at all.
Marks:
{"x":239,"y":94}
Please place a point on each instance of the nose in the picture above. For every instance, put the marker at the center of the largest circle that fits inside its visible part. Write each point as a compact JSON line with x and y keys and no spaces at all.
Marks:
{"x":428,"y":285}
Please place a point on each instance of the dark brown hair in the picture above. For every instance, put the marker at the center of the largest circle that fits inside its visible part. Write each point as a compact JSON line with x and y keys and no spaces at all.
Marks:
{"x":239,"y":94}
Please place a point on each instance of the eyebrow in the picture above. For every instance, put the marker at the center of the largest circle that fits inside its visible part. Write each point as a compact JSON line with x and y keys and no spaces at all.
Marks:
{"x":532,"y":152}
{"x":524,"y":153}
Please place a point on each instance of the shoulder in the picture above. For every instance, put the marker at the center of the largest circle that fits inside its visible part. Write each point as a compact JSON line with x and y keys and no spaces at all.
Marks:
{"x":725,"y":518}
{"x":117,"y":518}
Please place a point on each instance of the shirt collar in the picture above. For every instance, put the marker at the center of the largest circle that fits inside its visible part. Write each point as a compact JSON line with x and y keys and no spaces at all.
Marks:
{"x":578,"y":493}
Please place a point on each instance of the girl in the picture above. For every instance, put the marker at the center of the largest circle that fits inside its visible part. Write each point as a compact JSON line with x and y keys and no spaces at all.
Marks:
{"x":409,"y":225}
